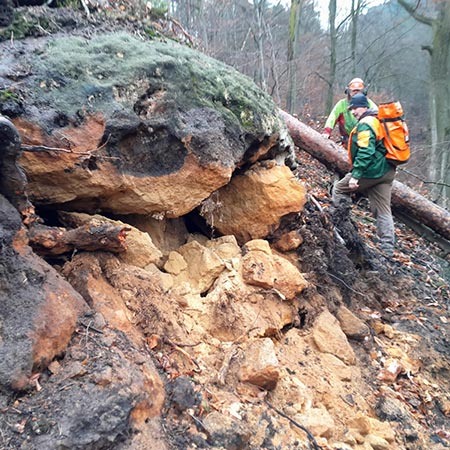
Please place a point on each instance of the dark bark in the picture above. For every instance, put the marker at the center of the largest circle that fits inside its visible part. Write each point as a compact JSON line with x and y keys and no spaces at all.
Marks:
{"x":404,"y":199}
{"x":56,"y":241}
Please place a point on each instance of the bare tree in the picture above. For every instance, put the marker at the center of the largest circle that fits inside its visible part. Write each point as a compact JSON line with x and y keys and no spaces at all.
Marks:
{"x":354,"y":14}
{"x":439,"y":52}
{"x":333,"y":43}
{"x":294,"y":20}
{"x":258,"y":34}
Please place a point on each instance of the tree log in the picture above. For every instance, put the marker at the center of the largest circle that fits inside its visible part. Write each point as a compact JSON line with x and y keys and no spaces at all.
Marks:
{"x":404,"y":199}
{"x":52,"y":241}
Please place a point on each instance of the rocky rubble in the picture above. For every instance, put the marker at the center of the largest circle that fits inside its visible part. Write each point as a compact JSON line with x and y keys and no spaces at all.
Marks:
{"x":224,"y":346}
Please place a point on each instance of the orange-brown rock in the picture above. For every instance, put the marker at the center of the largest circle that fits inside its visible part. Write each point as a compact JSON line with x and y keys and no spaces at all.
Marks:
{"x":113,"y":133}
{"x":124,"y":295}
{"x":253,"y":203}
{"x":351,"y":325}
{"x":140,"y":250}
{"x":288,"y":241}
{"x":39,"y":308}
{"x":260,"y":366}
{"x":329,"y":338}
{"x":260,"y":267}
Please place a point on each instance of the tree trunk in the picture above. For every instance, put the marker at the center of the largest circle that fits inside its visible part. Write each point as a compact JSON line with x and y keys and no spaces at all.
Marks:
{"x":439,"y":96}
{"x":440,"y":104}
{"x":274,"y":91}
{"x":354,"y":31}
{"x":333,"y":40}
{"x":56,"y":241}
{"x":260,"y":75}
{"x":294,"y":18}
{"x":404,"y":199}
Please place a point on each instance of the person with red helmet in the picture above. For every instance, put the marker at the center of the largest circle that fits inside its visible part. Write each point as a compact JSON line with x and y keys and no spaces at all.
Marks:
{"x":340,"y":113}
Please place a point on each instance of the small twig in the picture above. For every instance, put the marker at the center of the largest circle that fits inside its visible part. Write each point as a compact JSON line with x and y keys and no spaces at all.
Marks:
{"x":183,"y":31}
{"x":43,"y":148}
{"x":200,"y":423}
{"x":345,"y":284}
{"x":90,"y":327}
{"x":43,"y":29}
{"x":66,"y":386}
{"x":311,"y":438}
{"x":104,"y":143}
{"x":222,"y":374}
{"x":183,"y":352}
{"x":85,"y":7}
{"x":339,"y":237}
{"x":436,"y":183}
{"x":87,"y":333}
{"x":182,"y":345}
{"x":318,"y":206}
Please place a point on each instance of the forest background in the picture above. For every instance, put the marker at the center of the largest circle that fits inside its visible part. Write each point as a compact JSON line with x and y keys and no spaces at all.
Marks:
{"x":401,"y":48}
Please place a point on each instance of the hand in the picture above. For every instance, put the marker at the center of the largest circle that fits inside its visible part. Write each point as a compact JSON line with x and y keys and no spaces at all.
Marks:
{"x":326,"y":132}
{"x":353,"y":183}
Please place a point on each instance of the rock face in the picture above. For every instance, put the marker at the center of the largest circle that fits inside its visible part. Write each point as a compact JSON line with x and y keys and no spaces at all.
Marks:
{"x":251,"y":206}
{"x":39,"y":309}
{"x":148,"y":127}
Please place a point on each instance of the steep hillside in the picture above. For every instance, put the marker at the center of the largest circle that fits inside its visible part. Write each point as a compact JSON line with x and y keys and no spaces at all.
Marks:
{"x":226,"y":304}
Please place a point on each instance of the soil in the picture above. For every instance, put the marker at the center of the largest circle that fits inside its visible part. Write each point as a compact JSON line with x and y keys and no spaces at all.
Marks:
{"x":409,"y":291}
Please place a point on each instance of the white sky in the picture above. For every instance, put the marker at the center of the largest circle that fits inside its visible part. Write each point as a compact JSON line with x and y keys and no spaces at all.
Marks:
{"x":343,"y":7}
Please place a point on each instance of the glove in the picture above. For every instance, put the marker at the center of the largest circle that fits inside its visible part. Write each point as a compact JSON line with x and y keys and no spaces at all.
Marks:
{"x":326,"y":133}
{"x":353,"y":183}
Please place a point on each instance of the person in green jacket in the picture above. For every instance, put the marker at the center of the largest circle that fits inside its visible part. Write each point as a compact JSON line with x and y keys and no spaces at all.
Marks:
{"x":341,"y":115}
{"x":371,"y":172}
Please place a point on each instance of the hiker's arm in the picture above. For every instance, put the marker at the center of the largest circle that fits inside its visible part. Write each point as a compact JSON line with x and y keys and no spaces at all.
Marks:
{"x":338,"y":109}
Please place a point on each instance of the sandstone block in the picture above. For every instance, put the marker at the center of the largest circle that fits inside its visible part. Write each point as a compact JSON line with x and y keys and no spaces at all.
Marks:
{"x":329,"y":338}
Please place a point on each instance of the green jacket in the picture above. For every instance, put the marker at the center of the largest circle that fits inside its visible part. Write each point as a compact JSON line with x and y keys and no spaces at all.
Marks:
{"x":343,"y":117}
{"x":366,"y":148}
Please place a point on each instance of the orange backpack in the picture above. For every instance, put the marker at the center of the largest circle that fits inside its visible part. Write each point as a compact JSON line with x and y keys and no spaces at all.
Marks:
{"x":395,"y":132}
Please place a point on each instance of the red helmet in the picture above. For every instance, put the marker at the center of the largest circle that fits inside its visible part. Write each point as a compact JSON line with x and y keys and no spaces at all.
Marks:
{"x":356,"y":83}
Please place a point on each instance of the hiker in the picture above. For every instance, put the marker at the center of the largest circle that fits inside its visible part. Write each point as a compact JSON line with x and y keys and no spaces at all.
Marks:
{"x":371,"y":172}
{"x":341,"y":115}
{"x":13,"y":180}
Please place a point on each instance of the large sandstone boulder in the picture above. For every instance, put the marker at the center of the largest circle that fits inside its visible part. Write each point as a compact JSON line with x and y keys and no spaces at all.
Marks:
{"x":148,"y":127}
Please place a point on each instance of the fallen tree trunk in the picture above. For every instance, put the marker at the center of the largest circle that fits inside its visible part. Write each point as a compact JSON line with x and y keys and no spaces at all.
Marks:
{"x":48,"y":241}
{"x":404,"y":199}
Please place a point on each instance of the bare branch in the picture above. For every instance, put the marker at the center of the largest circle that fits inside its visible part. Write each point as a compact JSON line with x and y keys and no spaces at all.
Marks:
{"x":434,"y":183}
{"x":412,"y":11}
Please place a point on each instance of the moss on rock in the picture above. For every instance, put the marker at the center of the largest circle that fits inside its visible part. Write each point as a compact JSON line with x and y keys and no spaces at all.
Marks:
{"x":76,"y":73}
